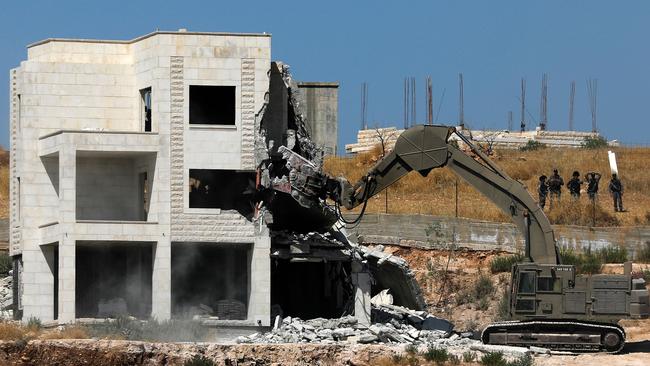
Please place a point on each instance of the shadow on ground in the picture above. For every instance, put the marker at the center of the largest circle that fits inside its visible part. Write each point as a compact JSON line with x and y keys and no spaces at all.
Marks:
{"x":636,"y":347}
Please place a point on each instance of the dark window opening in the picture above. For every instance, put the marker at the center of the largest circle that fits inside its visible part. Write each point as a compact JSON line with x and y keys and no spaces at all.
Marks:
{"x":223,"y":189}
{"x":113,"y":279}
{"x":527,"y":283}
{"x":212,"y":105}
{"x":210,"y":279}
{"x":309,"y":289}
{"x":549,"y":284}
{"x":145,"y":94}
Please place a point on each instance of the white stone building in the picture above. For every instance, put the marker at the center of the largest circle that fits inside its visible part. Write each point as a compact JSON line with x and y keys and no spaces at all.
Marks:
{"x":106,"y":139}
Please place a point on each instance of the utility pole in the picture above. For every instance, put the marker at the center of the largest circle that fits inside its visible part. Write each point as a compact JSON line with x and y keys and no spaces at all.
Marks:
{"x":509,"y":121}
{"x":413,"y":106}
{"x":429,"y":101}
{"x":592,"y":90}
{"x":572,"y":96}
{"x":543,"y":111}
{"x":406,"y":102}
{"x":461,"y":102}
{"x":364,"y":105}
{"x":523,"y":104}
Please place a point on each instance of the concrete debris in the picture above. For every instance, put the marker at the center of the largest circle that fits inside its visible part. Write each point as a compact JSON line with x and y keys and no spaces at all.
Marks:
{"x":508,"y":351}
{"x":392,"y":272}
{"x":382,"y":298}
{"x":6,"y":298}
{"x":540,"y":350}
{"x":396,"y":327}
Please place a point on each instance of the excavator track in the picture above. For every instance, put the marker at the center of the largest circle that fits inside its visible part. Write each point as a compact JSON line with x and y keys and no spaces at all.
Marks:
{"x":558,"y":335}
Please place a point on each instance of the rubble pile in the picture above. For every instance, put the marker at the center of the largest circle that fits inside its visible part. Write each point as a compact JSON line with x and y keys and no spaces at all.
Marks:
{"x":6,"y":298}
{"x":391,"y":324}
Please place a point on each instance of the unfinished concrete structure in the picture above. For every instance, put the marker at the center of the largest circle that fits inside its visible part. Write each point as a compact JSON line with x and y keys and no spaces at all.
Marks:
{"x":369,"y":139}
{"x":117,"y":148}
{"x":320,"y":105}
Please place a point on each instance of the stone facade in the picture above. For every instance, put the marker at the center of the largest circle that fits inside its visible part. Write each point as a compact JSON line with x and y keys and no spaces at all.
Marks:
{"x":79,"y":150}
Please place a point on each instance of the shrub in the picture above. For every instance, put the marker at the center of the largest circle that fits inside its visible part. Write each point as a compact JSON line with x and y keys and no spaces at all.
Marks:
{"x":411,"y":349}
{"x":483,"y":287}
{"x":526,"y":360}
{"x":591,"y":264}
{"x":598,"y":142}
{"x":6,"y":264}
{"x":493,"y":359}
{"x":199,"y":360}
{"x":643,"y":255}
{"x":34,"y":324}
{"x":504,"y":263}
{"x":483,"y":304}
{"x":532,"y":145}
{"x":645,"y":274}
{"x":584,"y":263}
{"x":469,"y":356}
{"x":503,"y":311}
{"x":613,"y":254}
{"x":437,"y":355}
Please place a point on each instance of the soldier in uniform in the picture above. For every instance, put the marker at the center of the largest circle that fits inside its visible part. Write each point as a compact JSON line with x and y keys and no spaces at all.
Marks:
{"x":616,"y":189}
{"x":592,"y":179}
{"x":574,"y":185}
{"x":542,"y":189}
{"x":555,"y":183}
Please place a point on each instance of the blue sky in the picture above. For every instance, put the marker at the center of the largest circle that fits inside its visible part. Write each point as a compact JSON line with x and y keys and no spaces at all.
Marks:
{"x":493,"y":43}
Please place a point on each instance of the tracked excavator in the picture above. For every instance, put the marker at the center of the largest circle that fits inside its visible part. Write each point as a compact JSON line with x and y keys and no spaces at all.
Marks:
{"x":550,"y":305}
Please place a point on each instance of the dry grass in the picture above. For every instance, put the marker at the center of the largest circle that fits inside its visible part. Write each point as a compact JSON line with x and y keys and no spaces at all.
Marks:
{"x":435,"y":194}
{"x":14,"y":331}
{"x":71,"y":332}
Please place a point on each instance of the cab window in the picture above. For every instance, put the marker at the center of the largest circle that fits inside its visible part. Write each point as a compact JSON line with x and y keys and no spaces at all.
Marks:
{"x":527,"y":283}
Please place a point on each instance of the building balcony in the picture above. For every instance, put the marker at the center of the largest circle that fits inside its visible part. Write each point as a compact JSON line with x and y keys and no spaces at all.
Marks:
{"x":98,"y":141}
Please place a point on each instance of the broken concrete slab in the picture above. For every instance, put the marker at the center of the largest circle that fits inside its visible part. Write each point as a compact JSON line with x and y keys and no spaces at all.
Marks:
{"x":506,"y":350}
{"x":382,"y":298}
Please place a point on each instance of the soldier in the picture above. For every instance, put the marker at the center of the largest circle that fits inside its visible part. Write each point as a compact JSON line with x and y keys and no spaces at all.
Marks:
{"x":592,"y":179}
{"x":555,"y":183}
{"x":616,"y":189}
{"x":542,"y":189}
{"x":574,"y":185}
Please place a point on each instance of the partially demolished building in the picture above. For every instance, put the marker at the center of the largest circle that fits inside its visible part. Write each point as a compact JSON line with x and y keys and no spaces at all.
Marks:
{"x":149,"y":178}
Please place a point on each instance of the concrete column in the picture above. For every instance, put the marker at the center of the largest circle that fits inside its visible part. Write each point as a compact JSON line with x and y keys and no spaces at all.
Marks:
{"x":161,"y":298}
{"x":259,"y":303}
{"x":362,"y":284}
{"x":67,"y":273}
{"x":67,"y":243}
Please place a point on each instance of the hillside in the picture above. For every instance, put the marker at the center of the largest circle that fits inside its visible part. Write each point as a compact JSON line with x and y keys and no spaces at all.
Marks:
{"x":435,"y":194}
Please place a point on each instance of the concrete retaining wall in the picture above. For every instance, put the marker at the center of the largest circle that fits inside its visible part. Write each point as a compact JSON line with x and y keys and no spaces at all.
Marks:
{"x":423,"y":231}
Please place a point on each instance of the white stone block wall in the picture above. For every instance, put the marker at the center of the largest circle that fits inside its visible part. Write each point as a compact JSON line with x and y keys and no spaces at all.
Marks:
{"x":95,"y":86}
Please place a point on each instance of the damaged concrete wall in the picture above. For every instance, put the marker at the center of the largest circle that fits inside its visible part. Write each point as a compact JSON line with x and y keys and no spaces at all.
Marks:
{"x":320,"y":105}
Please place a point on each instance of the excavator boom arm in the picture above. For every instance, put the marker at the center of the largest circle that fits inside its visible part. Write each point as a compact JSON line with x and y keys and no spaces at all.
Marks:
{"x":425,"y":147}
